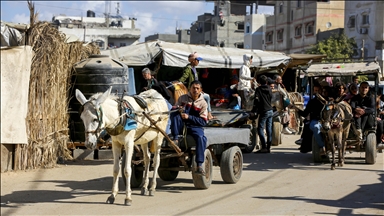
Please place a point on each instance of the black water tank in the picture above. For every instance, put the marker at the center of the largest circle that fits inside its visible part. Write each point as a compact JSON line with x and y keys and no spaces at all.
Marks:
{"x":90,"y":13}
{"x":93,"y":75}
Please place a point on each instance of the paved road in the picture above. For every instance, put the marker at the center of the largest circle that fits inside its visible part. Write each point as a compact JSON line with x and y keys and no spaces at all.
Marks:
{"x":284,"y":182}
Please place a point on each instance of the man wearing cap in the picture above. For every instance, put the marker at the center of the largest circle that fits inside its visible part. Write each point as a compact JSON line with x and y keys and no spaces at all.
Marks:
{"x":191,"y":74}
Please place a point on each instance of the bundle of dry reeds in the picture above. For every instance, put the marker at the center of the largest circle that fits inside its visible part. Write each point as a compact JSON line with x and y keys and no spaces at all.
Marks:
{"x":47,"y":119}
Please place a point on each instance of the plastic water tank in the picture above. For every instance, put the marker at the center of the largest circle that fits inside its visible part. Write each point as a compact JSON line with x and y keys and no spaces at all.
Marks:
{"x":93,"y":75}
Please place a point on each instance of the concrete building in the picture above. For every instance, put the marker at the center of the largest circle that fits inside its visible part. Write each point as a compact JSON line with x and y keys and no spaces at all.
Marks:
{"x":364,"y":23}
{"x":224,"y":28}
{"x":295,"y":24}
{"x":109,"y":32}
{"x":181,"y":36}
{"x":254,"y":31}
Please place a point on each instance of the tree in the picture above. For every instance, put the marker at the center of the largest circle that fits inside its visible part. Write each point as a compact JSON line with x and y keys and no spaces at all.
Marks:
{"x":338,"y":46}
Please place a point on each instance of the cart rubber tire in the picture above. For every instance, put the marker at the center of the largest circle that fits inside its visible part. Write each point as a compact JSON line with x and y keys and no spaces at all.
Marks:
{"x":168,"y":175}
{"x":203,"y":182}
{"x":276,"y":133}
{"x":252,"y":141}
{"x":316,"y":151}
{"x":370,"y":149}
{"x":231,"y":165}
{"x":137,"y":175}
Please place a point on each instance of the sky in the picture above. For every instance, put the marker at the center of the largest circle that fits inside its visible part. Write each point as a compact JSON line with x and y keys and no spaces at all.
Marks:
{"x":152,"y":16}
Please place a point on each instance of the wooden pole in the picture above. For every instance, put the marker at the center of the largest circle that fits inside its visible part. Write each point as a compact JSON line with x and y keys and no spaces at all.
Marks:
{"x":174,"y":146}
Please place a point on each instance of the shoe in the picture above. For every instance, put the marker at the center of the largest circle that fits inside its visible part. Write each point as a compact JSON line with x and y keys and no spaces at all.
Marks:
{"x":264,"y":150}
{"x":200,"y":171}
{"x":286,"y":131}
{"x":299,"y":141}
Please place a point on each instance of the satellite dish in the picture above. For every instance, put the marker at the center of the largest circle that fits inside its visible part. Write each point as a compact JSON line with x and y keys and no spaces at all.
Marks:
{"x":328,"y":24}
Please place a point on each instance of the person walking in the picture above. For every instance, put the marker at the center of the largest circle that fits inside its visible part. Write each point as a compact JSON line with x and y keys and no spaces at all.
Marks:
{"x":263,"y":101}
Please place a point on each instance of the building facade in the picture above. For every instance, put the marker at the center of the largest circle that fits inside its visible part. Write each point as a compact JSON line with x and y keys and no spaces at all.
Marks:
{"x":254,"y":31}
{"x":224,"y":28}
{"x":364,"y":21}
{"x":295,"y":24}
{"x":108,"y":32}
{"x":181,"y":36}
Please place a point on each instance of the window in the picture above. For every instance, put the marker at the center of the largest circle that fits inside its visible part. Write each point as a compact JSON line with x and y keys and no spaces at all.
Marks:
{"x":291,"y":15}
{"x":247,"y":28}
{"x":299,"y":3}
{"x":309,"y":28}
{"x":240,"y":26}
{"x":240,"y":45}
{"x":281,"y":7}
{"x":280,"y":34}
{"x":269,"y":37}
{"x":352,"y":22}
{"x":213,"y":26}
{"x":365,"y":19}
{"x":298,"y":31}
{"x":123,"y":44}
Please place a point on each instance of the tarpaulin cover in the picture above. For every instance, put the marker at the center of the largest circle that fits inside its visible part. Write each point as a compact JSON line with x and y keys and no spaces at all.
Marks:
{"x":176,"y":55}
{"x":343,"y":69}
{"x":15,"y":72}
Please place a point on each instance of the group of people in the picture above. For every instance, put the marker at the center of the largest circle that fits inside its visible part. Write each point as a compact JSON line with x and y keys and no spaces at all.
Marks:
{"x":192,"y":110}
{"x":358,"y":96}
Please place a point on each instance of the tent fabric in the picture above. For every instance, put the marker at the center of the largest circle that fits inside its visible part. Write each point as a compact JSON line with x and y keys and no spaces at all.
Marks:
{"x":343,"y":69}
{"x":134,"y":55}
{"x":15,"y":71}
{"x":176,"y":55}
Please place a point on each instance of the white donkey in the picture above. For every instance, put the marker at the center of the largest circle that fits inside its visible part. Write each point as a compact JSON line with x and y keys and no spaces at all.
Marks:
{"x":102,"y":111}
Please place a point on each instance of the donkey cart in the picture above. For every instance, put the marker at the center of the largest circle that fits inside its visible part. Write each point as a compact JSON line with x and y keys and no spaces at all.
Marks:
{"x":225,"y":143}
{"x":352,"y":142}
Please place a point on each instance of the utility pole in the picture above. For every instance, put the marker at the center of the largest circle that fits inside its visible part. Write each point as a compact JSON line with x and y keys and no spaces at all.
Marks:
{"x":362,"y":49}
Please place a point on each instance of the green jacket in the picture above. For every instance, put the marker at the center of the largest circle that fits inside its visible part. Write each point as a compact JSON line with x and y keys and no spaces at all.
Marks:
{"x":188,"y":75}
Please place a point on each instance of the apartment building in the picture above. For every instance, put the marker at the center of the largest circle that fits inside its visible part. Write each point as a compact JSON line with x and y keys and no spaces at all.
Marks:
{"x":224,"y":28}
{"x":364,"y":21}
{"x":254,"y":31}
{"x":295,"y":24}
{"x":110,"y":31}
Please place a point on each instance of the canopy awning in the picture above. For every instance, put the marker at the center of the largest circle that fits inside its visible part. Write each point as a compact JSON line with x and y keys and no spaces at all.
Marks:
{"x":176,"y":55}
{"x":343,"y":69}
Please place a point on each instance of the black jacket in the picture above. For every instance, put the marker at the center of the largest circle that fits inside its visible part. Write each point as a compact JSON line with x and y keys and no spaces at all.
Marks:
{"x":367,"y":103}
{"x":313,"y":108}
{"x":263,"y":99}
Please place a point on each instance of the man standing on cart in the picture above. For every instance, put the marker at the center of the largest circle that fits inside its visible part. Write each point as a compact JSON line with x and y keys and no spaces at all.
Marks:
{"x":194,"y":118}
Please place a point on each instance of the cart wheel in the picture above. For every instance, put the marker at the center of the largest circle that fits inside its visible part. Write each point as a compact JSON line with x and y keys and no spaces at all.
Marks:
{"x":252,"y":141}
{"x":137,"y":173}
{"x":203,"y":182}
{"x":370,"y":149}
{"x":168,"y":175}
{"x":231,"y":165}
{"x":276,"y":133}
